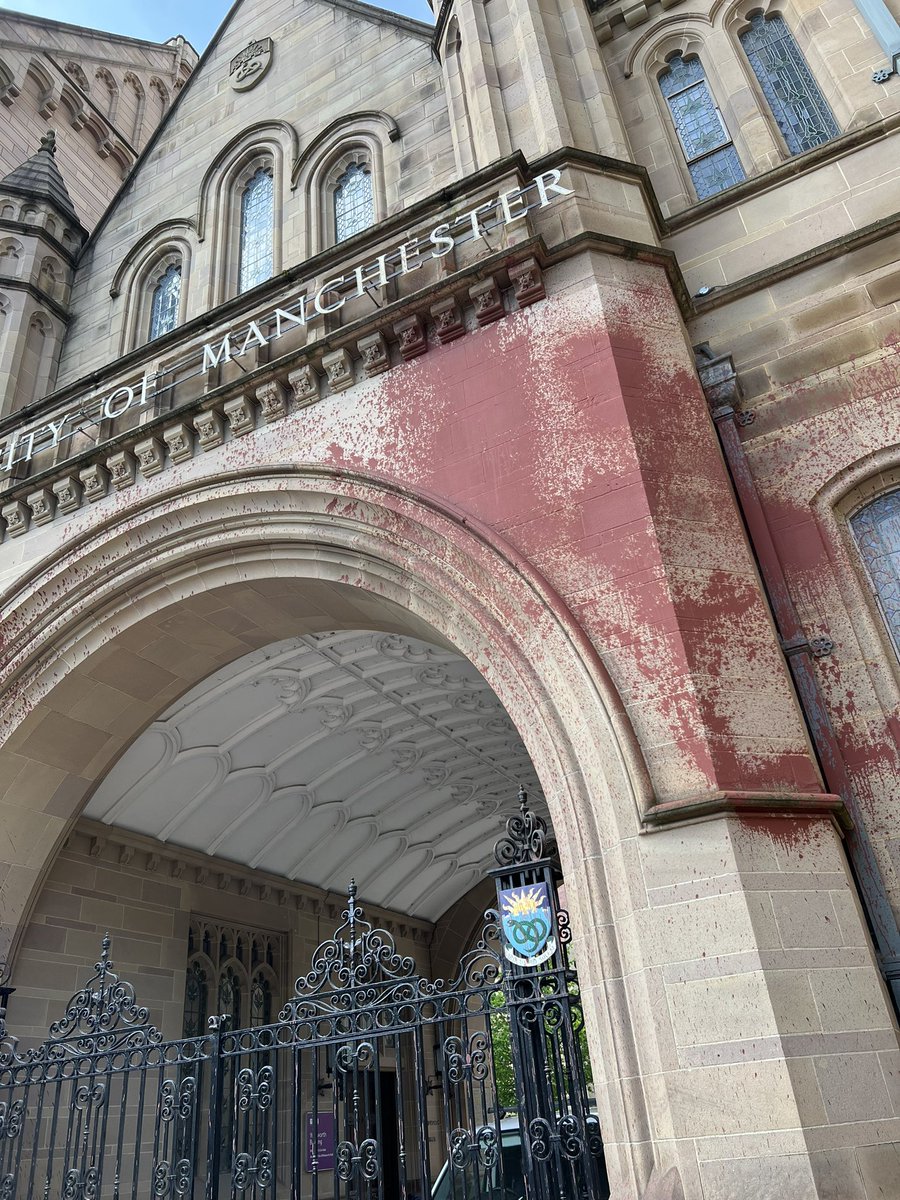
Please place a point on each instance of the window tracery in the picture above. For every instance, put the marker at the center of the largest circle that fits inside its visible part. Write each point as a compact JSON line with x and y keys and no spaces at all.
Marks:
{"x":789,"y":87}
{"x":354,"y":202}
{"x":876,"y":529}
{"x":709,"y":152}
{"x":256,"y":247}
{"x":166,"y":301}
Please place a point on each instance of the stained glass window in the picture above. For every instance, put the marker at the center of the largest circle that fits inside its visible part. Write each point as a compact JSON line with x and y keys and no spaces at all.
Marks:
{"x":354,"y":204}
{"x":711,"y":158}
{"x":877,"y":532}
{"x":797,"y":104}
{"x":257,"y":219}
{"x":164,"y":306}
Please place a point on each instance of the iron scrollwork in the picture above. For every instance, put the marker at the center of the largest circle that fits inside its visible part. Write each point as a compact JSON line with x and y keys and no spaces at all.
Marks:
{"x":526,"y":839}
{"x":173,"y":1181}
{"x":351,"y":1160}
{"x":247,"y":1171}
{"x":567,"y":1135}
{"x":255,"y":1088}
{"x":469,"y":1061}
{"x":11,"y":1118}
{"x":81,"y":1185}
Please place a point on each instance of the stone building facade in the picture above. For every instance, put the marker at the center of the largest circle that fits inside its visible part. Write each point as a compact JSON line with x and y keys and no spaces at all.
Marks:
{"x":433,"y":409}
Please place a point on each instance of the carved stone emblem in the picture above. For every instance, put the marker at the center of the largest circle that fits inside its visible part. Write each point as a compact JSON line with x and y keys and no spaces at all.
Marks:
{"x":248,"y":67}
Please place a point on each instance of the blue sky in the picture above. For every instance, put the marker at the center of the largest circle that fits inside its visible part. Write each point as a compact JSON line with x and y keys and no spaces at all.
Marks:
{"x":161,"y":19}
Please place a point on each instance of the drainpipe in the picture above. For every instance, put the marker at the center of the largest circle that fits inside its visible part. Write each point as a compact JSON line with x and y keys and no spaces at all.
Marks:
{"x":722,"y":389}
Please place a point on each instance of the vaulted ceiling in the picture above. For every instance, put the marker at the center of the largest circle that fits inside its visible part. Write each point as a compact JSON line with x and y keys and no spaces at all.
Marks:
{"x":331,"y":755}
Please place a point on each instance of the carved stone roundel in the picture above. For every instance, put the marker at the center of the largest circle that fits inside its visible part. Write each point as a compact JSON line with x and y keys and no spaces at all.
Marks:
{"x":249,"y":66}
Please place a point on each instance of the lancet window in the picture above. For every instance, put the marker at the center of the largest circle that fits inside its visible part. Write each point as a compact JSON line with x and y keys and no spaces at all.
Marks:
{"x":257,"y":230}
{"x":711,"y":158}
{"x":231,"y":970}
{"x":877,"y":532}
{"x":798,"y":106}
{"x":354,"y":202}
{"x":165,"y":301}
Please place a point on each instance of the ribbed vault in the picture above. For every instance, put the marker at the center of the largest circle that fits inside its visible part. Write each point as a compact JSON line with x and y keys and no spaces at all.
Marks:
{"x":329,"y":755}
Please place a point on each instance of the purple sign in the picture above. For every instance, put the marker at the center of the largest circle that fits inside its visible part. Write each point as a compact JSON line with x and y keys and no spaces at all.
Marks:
{"x":320,"y":1145}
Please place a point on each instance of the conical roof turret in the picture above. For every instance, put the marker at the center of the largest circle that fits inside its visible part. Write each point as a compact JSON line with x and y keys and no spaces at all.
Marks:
{"x":40,"y":178}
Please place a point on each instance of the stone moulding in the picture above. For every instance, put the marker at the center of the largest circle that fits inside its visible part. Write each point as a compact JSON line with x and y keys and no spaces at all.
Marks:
{"x":207,"y":423}
{"x":775,"y":805}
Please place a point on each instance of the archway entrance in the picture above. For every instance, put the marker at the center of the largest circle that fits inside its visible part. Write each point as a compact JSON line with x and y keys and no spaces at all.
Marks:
{"x":367,"y":1078}
{"x":159,"y":600}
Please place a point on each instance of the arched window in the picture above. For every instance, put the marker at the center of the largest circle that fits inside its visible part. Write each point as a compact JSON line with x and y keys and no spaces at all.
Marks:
{"x":165,"y":302}
{"x":354,"y":203}
{"x":257,"y":221}
{"x":711,"y":158}
{"x":877,"y":532}
{"x":797,"y":104}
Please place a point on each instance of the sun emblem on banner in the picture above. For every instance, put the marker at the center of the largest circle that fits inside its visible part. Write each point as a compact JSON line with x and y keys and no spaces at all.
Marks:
{"x":527,"y":920}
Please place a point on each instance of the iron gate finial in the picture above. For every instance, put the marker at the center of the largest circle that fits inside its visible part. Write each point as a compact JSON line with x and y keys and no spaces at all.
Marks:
{"x":526,"y":837}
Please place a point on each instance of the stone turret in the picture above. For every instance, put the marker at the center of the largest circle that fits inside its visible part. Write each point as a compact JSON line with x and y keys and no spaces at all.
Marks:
{"x":40,"y":236}
{"x":519,"y":79}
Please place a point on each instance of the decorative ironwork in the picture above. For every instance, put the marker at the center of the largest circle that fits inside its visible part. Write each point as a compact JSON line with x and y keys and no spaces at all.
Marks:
{"x":711,"y":158}
{"x":526,"y":837}
{"x":339,"y":1085}
{"x":798,"y":106}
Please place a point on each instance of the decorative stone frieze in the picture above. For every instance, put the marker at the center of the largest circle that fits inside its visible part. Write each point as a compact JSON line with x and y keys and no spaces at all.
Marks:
{"x":95,"y":481}
{"x":448,"y":320}
{"x":528,"y":282}
{"x":410,"y":334}
{"x":241,"y":418}
{"x":180,"y":442}
{"x":338,"y":367}
{"x":15,"y":515}
{"x":305,"y":385}
{"x":488,"y":302}
{"x":272,"y":398}
{"x":210,"y":429}
{"x":68,"y":494}
{"x":374,"y":354}
{"x":42,"y":504}
{"x":151,"y":456}
{"x":121,"y":468}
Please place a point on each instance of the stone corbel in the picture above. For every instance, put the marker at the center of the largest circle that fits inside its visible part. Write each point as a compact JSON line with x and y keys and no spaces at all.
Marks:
{"x":527,"y":280}
{"x":180,"y":442}
{"x":210,"y":429}
{"x":374,"y":354}
{"x":42,"y":504}
{"x":448,"y":320}
{"x":9,"y":95}
{"x":241,"y":418}
{"x":488,"y":302}
{"x":410,"y":334}
{"x":272,"y":399}
{"x":15,"y":515}
{"x":151,"y":457}
{"x":338,"y":368}
{"x":121,"y":468}
{"x":68,"y":494}
{"x":305,"y":385}
{"x":95,"y":481}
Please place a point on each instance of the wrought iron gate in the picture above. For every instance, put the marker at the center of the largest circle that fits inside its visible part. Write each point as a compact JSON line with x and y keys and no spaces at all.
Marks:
{"x":373,"y":1084}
